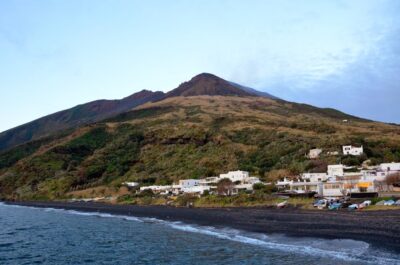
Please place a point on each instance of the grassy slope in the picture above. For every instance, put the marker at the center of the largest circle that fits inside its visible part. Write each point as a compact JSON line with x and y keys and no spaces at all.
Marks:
{"x":191,"y":137}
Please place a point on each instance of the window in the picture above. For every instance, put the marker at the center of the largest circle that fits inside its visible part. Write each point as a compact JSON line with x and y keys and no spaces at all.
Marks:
{"x":332,"y":186}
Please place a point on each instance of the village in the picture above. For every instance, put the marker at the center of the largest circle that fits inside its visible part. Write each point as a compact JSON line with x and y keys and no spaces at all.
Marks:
{"x":331,"y":189}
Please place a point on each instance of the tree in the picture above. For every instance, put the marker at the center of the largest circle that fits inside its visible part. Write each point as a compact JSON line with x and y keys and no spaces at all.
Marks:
{"x":146,"y":193}
{"x":259,"y":186}
{"x":225,"y":187}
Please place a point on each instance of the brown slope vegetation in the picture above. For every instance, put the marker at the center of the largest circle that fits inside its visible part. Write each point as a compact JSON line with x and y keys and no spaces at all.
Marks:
{"x":192,"y":137}
{"x":73,"y":118}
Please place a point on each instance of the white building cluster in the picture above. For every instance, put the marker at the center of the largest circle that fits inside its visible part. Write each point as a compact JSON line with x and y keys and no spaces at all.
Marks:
{"x":336,"y":182}
{"x":240,"y":179}
{"x":346,"y":150}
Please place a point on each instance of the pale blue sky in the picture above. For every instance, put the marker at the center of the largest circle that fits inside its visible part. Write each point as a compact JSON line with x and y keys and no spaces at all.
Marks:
{"x":57,"y":54}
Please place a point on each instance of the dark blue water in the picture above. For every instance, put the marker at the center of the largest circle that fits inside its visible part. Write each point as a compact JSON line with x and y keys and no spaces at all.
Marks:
{"x":49,"y":236}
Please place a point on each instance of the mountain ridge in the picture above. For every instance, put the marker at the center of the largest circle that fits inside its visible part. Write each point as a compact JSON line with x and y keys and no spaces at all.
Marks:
{"x":201,"y":84}
{"x":70,"y":118}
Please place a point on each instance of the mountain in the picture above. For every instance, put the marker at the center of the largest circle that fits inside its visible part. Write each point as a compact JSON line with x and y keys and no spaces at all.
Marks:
{"x":204,"y":127}
{"x":74,"y":117}
{"x":202,"y":84}
{"x":208,"y":84}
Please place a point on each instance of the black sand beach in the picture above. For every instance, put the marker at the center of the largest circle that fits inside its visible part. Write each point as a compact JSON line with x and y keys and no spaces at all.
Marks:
{"x":380,"y":228}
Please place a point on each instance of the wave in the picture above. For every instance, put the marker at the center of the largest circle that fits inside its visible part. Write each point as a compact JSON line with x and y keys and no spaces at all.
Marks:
{"x":341,"y":249}
{"x":97,"y":214}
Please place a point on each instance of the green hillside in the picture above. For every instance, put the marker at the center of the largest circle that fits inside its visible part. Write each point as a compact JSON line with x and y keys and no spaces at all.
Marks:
{"x":191,"y":137}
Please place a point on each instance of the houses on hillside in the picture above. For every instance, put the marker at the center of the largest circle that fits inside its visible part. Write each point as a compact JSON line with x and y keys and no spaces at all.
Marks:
{"x":241,"y":181}
{"x":336,"y":182}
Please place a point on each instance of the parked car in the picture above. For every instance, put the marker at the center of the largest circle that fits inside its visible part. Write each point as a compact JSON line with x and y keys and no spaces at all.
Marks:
{"x":281,"y":205}
{"x":389,"y":203}
{"x":335,"y":206}
{"x":361,"y":206}
{"x":353,"y":207}
{"x":321,"y":204}
{"x":367,"y":203}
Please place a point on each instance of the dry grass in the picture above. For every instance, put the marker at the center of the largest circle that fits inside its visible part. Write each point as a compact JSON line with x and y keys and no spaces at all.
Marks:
{"x":262,"y":112}
{"x":100,"y":191}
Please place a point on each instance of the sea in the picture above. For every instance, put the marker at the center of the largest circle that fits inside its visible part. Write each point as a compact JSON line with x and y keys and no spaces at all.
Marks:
{"x":54,"y":236}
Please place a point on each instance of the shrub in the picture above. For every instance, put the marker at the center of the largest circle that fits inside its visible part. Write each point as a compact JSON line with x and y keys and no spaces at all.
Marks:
{"x":146,"y":193}
{"x":186,"y":200}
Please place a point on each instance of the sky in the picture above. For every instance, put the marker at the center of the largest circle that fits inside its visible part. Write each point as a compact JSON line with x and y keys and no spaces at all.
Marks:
{"x":58,"y":54}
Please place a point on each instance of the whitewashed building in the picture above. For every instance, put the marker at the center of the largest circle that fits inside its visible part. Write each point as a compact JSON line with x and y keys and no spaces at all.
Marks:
{"x":373,"y":175}
{"x":335,"y":171}
{"x":235,"y":176}
{"x":306,"y":186}
{"x":314,"y":153}
{"x":353,"y":150}
{"x":188,"y":183}
{"x":314,"y":177}
{"x":196,"y":189}
{"x":209,"y":181}
{"x":389,"y":167}
{"x":158,"y":188}
{"x":333,"y":189}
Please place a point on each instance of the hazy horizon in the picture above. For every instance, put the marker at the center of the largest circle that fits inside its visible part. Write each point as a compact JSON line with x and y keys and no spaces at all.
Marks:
{"x":337,"y":54}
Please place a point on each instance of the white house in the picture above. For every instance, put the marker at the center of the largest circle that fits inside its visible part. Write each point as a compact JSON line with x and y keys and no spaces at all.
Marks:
{"x":389,"y":166}
{"x":158,"y":188}
{"x":196,"y":189}
{"x":304,"y":187}
{"x":187,"y":183}
{"x":352,"y":150}
{"x":235,"y":176}
{"x":314,"y":153}
{"x":333,"y":189}
{"x":314,"y":177}
{"x":373,"y":175}
{"x":209,"y":181}
{"x":335,"y":171}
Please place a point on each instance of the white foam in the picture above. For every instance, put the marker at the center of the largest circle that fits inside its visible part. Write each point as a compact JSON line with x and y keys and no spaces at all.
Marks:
{"x":238,"y":236}
{"x":342,"y":249}
{"x":104,"y":215}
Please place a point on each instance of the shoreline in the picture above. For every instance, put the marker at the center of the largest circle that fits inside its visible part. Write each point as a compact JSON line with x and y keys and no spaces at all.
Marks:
{"x":378,"y":228}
